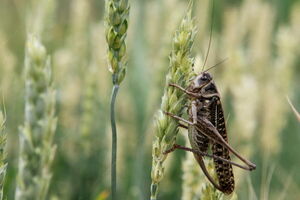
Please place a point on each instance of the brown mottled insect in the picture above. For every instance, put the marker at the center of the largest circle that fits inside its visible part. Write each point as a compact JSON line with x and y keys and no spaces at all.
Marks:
{"x":206,"y":127}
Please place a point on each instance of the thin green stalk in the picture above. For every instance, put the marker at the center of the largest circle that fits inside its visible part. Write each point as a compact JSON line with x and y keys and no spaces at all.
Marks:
{"x":297,"y":114}
{"x":116,"y":19}
{"x":114,"y":143}
{"x":3,"y":163}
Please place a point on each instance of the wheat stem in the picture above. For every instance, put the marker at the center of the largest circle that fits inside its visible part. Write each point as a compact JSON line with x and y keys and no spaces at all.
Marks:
{"x":114,"y":143}
{"x":36,"y":137}
{"x":116,"y":19}
{"x":173,"y":100}
{"x":3,"y":164}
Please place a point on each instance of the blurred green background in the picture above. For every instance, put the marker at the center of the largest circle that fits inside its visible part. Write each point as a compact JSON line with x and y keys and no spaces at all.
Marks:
{"x":261,"y":40}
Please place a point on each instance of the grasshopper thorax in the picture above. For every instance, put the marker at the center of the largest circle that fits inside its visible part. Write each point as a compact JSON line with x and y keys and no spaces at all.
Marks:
{"x":204,"y":85}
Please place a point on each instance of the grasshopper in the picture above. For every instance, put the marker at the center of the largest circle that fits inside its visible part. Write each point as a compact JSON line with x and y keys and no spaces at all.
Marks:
{"x":206,"y":127}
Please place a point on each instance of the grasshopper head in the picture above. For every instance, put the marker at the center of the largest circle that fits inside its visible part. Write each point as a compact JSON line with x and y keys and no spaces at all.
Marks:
{"x":201,"y":80}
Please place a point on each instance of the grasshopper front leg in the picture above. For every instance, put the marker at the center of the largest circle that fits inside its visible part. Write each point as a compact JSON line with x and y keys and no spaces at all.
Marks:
{"x":194,"y":115}
{"x":196,"y":95}
{"x":179,"y":118}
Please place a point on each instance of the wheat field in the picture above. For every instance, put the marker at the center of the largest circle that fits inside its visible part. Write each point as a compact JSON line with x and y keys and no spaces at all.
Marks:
{"x":57,"y":58}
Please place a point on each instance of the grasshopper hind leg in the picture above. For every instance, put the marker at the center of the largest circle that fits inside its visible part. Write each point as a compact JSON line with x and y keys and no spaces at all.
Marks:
{"x":199,"y":157}
{"x":177,"y":146}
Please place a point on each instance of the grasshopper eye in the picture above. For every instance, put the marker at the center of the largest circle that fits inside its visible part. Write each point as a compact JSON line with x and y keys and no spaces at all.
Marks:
{"x":203,"y":78}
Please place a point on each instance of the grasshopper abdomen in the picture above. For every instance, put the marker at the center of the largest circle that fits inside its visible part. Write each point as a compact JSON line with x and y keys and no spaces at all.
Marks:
{"x":223,"y":169}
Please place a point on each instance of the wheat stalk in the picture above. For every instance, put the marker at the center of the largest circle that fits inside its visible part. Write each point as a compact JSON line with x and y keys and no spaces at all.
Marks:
{"x":173,"y":100}
{"x":116,"y":19}
{"x":3,"y":164}
{"x":36,"y":137}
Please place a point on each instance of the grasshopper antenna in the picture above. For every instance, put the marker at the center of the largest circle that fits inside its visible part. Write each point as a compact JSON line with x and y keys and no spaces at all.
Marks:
{"x":210,"y":35}
{"x":222,"y":61}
